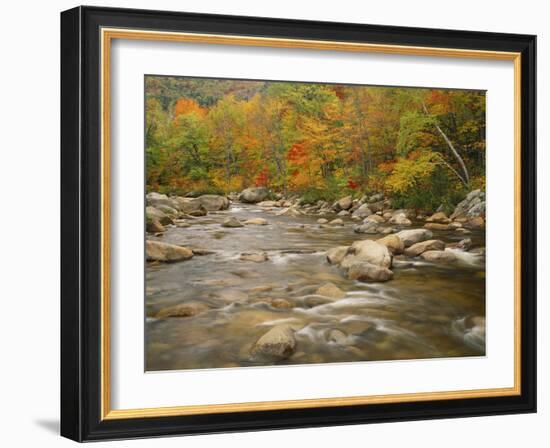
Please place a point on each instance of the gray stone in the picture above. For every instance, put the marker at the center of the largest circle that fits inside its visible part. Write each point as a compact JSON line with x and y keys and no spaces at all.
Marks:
{"x":254,"y":195}
{"x":157,"y":251}
{"x":419,"y":248}
{"x":278,"y":343}
{"x":413,"y":236}
{"x":367,"y":272}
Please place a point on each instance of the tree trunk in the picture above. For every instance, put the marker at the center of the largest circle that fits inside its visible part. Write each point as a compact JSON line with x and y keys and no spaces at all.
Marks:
{"x":455,"y":153}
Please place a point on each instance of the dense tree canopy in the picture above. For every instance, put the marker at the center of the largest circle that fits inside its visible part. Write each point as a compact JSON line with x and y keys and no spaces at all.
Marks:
{"x":422,"y":147}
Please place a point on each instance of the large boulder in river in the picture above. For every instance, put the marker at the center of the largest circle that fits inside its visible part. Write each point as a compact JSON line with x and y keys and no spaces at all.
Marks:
{"x":367,"y":272}
{"x":157,"y":251}
{"x":412,"y":236}
{"x":416,"y":249}
{"x":393,"y":243}
{"x":337,"y":254}
{"x":277,"y":344}
{"x":472,"y":206}
{"x":213,"y":202}
{"x":367,"y":251}
{"x":190,"y":206}
{"x":343,"y":204}
{"x":167,"y":210}
{"x":154,"y":199}
{"x":254,"y":195}
{"x":154,"y":214}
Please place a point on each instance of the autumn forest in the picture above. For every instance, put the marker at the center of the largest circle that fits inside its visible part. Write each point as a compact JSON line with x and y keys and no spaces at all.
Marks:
{"x":423,"y":148}
{"x":297,"y":223}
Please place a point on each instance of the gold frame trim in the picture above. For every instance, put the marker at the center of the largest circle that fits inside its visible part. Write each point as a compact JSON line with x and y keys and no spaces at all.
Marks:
{"x":107,"y":35}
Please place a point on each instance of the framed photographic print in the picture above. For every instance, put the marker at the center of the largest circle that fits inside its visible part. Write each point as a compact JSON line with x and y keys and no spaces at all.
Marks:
{"x":272,"y":223}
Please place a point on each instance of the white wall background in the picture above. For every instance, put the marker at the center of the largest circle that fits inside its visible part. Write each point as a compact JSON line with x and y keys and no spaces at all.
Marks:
{"x":29,"y":224}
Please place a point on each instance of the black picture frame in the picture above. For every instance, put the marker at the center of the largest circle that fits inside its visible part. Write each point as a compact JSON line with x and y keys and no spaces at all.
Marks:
{"x":81,"y":224}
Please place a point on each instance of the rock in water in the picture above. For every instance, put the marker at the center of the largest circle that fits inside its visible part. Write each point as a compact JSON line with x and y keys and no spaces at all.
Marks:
{"x":157,"y":251}
{"x":213,"y":202}
{"x":375,"y":219}
{"x":367,"y":272}
{"x":436,"y":226}
{"x":416,"y":249}
{"x":337,"y":337}
{"x":289,"y":211}
{"x":157,"y":199}
{"x":330,"y":290}
{"x":322,"y":221}
{"x":278,"y":343}
{"x":400,"y":219}
{"x":154,"y":226}
{"x":475,"y":223}
{"x":472,"y":206}
{"x":439,"y":255}
{"x":256,"y":222}
{"x":256,"y":257}
{"x":183,"y":310}
{"x":190,"y":206}
{"x":167,"y":210}
{"x":268,"y":204}
{"x":367,"y":251}
{"x":281,"y":304}
{"x":369,"y":228}
{"x":363,"y":211}
{"x":439,"y":217}
{"x":464,"y":244}
{"x":232,"y":222}
{"x":254,"y":195}
{"x":152,"y":213}
{"x":343,"y":204}
{"x":336,"y":222}
{"x":393,"y":243}
{"x":337,"y":254}
{"x":410,"y":237}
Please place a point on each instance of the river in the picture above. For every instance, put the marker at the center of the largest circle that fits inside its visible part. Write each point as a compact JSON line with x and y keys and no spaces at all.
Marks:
{"x":428,"y":310}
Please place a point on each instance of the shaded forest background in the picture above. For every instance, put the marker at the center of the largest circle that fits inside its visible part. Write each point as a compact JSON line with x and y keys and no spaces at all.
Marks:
{"x":420,"y":147}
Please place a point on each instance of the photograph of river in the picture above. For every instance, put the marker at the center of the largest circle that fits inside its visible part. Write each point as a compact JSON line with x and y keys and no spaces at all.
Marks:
{"x":303,"y":223}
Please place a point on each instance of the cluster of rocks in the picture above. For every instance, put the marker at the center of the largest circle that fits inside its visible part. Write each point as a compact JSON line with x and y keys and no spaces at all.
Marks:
{"x":162,"y":210}
{"x":372,"y":260}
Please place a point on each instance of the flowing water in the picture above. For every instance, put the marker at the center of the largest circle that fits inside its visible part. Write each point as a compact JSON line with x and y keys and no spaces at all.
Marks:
{"x":428,"y":310}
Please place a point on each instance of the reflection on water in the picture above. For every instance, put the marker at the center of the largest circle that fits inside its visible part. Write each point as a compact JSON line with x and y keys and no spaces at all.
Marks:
{"x":428,"y":310}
